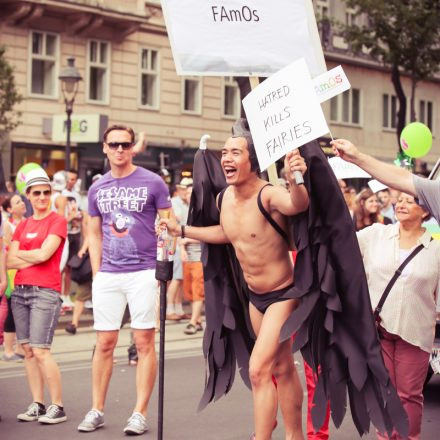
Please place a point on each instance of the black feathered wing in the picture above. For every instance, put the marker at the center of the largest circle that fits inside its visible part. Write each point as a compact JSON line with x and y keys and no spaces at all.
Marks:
{"x":228,"y":338}
{"x":334,"y":321}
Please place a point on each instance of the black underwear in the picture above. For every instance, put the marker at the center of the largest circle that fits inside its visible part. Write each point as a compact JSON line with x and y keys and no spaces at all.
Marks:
{"x":262,"y":301}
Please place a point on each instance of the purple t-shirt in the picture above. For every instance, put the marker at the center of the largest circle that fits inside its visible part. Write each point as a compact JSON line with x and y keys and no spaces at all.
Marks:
{"x":128,"y":208}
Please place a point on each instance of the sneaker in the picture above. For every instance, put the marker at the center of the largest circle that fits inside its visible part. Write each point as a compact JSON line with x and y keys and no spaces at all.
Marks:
{"x":136,"y":424}
{"x":13,"y":358}
{"x":34,"y":411}
{"x":71,"y":328}
{"x":93,"y":420}
{"x":54,"y":414}
{"x":190,"y":329}
{"x":199,"y":327}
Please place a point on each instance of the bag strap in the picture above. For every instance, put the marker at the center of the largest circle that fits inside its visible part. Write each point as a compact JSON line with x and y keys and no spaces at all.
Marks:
{"x":396,"y":275}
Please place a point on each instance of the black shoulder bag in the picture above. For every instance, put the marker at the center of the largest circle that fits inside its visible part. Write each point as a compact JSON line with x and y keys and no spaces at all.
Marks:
{"x":396,"y":275}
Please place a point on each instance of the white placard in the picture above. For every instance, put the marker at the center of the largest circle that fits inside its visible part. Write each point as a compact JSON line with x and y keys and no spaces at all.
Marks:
{"x":331,"y":83}
{"x":346,"y":170}
{"x":234,"y":38}
{"x":284,"y":113}
{"x":376,"y":186}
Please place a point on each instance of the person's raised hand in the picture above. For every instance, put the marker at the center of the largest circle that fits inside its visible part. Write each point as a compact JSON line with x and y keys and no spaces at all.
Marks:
{"x":294,"y":162}
{"x":345,"y":150}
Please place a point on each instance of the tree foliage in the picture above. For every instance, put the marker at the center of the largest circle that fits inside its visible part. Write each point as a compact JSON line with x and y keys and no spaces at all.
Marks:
{"x":9,"y":97}
{"x":403,"y":35}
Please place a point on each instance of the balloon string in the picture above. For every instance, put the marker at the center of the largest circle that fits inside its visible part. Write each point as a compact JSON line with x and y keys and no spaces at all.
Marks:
{"x":330,"y":134}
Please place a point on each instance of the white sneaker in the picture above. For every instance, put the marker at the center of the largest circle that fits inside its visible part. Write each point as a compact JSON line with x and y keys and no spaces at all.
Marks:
{"x":136,"y":425}
{"x":93,"y":420}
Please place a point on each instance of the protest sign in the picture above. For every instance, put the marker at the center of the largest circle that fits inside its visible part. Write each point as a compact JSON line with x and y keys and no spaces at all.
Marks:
{"x":284,"y":113}
{"x":346,"y":170}
{"x":331,"y":83}
{"x":376,"y":186}
{"x":232,"y":38}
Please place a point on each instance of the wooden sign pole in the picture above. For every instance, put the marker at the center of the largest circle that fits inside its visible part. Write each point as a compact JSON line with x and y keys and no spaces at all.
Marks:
{"x":272,"y":169}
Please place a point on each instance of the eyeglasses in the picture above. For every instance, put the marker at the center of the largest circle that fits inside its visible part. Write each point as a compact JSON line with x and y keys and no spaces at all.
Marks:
{"x":46,"y":192}
{"x":124,"y":145}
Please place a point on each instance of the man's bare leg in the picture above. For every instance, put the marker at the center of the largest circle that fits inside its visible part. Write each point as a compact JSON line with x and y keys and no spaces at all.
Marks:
{"x":290,"y":392}
{"x":146,"y":368}
{"x":264,"y":358}
{"x":102,"y":366}
{"x":78,"y":308}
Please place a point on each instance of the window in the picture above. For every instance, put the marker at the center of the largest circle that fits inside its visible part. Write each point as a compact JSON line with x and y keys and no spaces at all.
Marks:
{"x":149,"y":96}
{"x":192,"y":95}
{"x":350,"y":17}
{"x":231,"y":98}
{"x":426,"y":113}
{"x":322,"y":8}
{"x":346,"y":107}
{"x":98,"y":71}
{"x":389,"y":111}
{"x":44,"y":65}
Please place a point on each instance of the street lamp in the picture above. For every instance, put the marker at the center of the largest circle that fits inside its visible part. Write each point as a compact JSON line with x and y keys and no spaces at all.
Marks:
{"x":70,"y":78}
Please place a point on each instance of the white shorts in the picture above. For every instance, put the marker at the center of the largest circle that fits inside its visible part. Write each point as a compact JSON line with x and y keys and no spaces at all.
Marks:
{"x":112,"y":291}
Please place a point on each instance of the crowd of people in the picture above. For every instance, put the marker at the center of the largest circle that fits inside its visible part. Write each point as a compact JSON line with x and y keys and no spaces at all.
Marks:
{"x":52,"y":225}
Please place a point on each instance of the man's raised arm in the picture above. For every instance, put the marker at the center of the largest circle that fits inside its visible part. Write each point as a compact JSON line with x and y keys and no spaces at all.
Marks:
{"x":390,"y":175}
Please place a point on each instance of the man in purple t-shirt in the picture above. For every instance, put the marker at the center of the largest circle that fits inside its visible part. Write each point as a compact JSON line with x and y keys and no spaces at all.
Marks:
{"x":123,"y":206}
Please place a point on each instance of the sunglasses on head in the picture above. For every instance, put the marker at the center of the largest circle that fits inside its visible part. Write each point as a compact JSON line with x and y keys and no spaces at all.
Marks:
{"x":124,"y":145}
{"x":38,"y":193}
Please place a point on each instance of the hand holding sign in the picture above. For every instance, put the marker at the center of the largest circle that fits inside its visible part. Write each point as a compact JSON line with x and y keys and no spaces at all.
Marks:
{"x":295,"y":166}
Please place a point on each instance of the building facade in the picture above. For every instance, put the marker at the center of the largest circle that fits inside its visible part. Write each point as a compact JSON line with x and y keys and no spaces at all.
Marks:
{"x":123,"y":54}
{"x":122,"y":51}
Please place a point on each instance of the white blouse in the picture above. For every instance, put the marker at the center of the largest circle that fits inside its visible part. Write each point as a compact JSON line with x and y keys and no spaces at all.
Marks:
{"x":410,"y":308}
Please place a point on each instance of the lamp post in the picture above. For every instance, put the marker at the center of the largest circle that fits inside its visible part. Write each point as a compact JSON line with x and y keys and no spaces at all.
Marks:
{"x":70,"y":78}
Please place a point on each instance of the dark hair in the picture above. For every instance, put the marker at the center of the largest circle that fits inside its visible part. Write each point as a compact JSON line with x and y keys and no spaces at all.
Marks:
{"x":241,"y":129}
{"x":6,"y":204}
{"x":119,"y":128}
{"x":73,"y":171}
{"x":362,"y":219}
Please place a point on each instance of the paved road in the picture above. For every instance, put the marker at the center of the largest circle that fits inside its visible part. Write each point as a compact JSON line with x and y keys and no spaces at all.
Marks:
{"x":228,"y":419}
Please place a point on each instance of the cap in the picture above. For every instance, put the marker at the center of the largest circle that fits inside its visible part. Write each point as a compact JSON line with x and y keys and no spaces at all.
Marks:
{"x":186,"y":181}
{"x":35,"y":177}
{"x":59,"y":181}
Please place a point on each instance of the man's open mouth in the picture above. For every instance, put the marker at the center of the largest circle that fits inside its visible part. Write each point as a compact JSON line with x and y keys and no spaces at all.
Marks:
{"x":229,"y":171}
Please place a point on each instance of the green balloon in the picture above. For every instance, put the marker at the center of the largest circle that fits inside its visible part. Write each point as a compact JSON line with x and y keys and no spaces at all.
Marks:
{"x":416,"y":139}
{"x":20,"y":180}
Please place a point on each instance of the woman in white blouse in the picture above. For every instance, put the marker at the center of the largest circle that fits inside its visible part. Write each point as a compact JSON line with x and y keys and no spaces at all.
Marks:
{"x":408,"y":315}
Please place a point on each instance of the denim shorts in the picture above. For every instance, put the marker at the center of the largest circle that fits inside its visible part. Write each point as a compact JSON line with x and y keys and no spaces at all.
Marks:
{"x":36,"y":311}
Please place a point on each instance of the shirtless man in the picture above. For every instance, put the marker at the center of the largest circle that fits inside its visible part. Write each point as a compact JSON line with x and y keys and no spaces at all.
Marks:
{"x":267,"y":267}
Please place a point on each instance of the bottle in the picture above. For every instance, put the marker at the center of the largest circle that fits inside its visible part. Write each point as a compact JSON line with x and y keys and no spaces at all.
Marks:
{"x":162,"y":245}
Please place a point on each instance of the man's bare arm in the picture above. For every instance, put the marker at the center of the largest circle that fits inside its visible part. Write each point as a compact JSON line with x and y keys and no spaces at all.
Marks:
{"x":390,"y":175}
{"x":95,"y":242}
{"x":206,"y":234}
{"x":296,"y":199}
